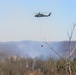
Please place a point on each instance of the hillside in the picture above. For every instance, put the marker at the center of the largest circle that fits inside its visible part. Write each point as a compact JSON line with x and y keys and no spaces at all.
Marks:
{"x":33,"y":48}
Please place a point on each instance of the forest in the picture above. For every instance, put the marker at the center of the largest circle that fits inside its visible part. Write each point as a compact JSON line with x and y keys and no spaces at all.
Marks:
{"x":37,"y":66}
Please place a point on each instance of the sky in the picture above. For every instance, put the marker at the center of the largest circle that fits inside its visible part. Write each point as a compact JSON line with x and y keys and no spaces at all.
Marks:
{"x":17,"y":21}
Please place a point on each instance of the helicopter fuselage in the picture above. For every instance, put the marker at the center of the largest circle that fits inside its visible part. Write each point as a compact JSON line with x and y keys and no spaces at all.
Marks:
{"x":42,"y":15}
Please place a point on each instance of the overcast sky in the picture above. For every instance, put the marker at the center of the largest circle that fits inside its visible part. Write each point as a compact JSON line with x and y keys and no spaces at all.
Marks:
{"x":17,"y":21}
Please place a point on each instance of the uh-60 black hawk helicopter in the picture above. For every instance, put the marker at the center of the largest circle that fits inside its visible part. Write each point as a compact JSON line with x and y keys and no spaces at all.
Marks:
{"x":42,"y":15}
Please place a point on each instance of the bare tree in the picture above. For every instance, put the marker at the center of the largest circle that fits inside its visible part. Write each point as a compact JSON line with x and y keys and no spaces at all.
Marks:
{"x":70,"y":35}
{"x":66,"y":61}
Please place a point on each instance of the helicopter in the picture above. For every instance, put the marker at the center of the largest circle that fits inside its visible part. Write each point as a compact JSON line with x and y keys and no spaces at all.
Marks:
{"x":42,"y":15}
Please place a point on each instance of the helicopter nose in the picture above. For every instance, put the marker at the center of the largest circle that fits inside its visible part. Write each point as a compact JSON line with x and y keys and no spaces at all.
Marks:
{"x":35,"y":16}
